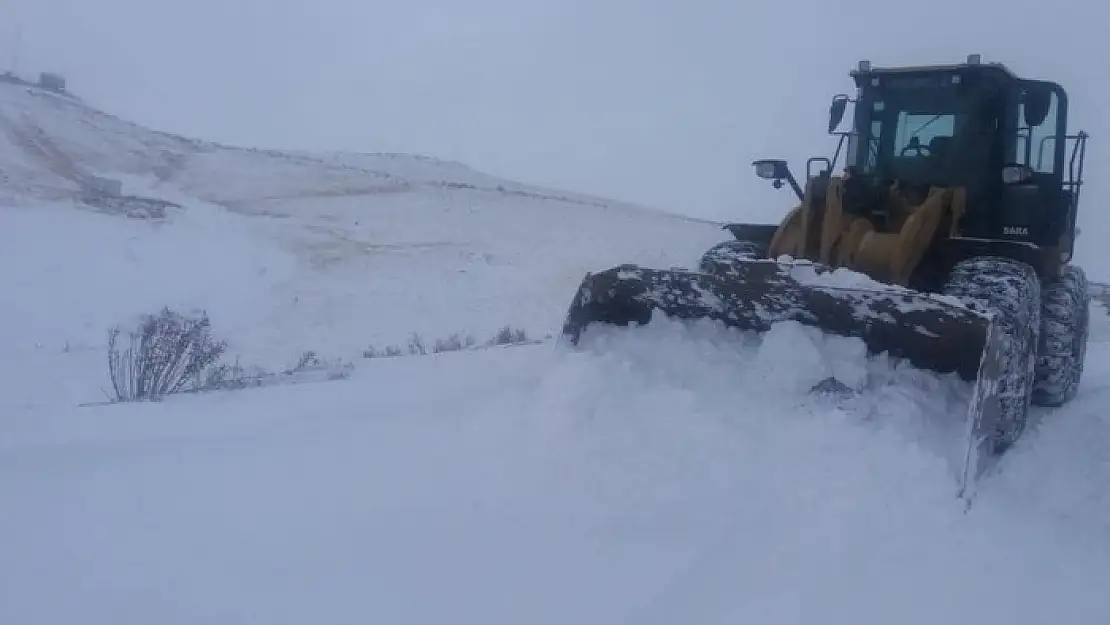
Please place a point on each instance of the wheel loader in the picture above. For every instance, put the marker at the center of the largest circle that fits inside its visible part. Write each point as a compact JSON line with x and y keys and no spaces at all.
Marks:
{"x":946,"y":240}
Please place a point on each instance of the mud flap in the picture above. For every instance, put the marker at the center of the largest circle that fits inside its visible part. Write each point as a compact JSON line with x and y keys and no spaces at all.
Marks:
{"x":930,"y":331}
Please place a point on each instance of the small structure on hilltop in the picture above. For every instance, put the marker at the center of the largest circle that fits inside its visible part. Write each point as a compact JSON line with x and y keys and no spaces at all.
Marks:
{"x":52,"y":82}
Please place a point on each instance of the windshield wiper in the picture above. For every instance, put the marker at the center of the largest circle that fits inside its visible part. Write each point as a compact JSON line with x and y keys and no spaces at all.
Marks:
{"x":923,"y":127}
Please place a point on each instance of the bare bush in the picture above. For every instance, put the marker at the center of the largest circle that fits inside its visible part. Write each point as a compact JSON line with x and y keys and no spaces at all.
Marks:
{"x":307,"y":361}
{"x":390,"y":351}
{"x":226,"y":376}
{"x":509,"y":335}
{"x":165,"y":353}
{"x":416,"y":345}
{"x":453,"y":343}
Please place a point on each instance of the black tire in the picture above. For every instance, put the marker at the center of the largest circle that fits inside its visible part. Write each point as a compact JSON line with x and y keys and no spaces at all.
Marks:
{"x":1065,"y":325}
{"x":1012,"y":290}
{"x":720,"y":258}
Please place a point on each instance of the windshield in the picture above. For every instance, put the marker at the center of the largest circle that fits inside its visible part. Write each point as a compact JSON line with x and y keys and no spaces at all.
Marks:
{"x":925,"y":135}
{"x":919,"y":129}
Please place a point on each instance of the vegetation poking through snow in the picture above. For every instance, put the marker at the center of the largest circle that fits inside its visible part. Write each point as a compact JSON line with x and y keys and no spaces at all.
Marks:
{"x":309,"y":367}
{"x":417,"y":346}
{"x":164,"y":354}
{"x":174,"y":353}
{"x":509,"y":336}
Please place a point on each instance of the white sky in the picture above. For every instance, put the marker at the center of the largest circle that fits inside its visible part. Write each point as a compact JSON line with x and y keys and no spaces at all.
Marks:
{"x":661,"y":102}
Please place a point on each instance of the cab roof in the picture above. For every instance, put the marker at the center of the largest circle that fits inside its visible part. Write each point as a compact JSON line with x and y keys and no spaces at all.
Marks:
{"x":997,"y":71}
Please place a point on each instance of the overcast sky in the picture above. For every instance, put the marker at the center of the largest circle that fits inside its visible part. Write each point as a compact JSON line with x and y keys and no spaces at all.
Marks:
{"x":660,"y":102}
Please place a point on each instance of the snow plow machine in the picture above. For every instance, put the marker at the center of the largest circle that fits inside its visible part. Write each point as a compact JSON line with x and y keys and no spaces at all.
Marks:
{"x":946,"y":241}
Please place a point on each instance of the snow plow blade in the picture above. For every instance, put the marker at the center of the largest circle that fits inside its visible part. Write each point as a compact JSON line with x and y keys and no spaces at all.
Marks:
{"x":929,"y":331}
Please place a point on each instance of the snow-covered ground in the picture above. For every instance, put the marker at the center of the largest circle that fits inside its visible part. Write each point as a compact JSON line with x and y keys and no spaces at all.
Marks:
{"x":670,"y":474}
{"x":668,"y":478}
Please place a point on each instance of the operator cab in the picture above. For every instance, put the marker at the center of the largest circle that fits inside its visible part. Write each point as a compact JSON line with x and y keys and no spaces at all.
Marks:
{"x":974,"y":125}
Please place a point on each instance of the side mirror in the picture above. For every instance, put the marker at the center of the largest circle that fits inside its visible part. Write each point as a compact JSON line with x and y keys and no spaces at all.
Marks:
{"x":1036,"y":104}
{"x":836,"y":111}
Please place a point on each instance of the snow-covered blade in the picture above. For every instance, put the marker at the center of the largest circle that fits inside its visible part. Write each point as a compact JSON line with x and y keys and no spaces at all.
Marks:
{"x":929,"y":331}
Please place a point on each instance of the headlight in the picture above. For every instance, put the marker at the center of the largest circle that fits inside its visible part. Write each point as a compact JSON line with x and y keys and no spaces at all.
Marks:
{"x":765,"y":170}
{"x":770,"y":168}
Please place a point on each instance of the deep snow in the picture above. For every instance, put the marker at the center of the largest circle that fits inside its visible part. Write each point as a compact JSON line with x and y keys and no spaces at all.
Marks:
{"x":666,"y":478}
{"x":669,"y":474}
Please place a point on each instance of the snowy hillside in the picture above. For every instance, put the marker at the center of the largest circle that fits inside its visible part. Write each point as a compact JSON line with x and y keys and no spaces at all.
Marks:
{"x":50,"y":140}
{"x":291,"y":252}
{"x":670,"y":474}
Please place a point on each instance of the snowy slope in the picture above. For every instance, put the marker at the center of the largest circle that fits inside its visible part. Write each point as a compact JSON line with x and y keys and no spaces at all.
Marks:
{"x":72,"y":136}
{"x":291,"y":252}
{"x":670,"y":474}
